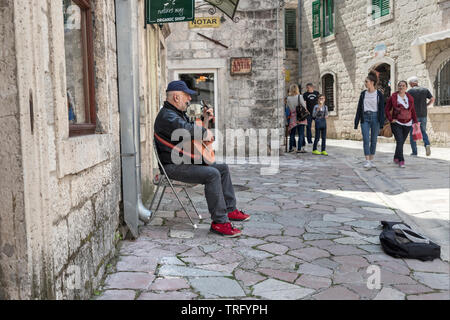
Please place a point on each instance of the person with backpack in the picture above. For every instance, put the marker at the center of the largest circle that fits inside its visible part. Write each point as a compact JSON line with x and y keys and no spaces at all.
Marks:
{"x":401,"y":113}
{"x":320,"y":115}
{"x":297,"y":108}
{"x":370,"y":114}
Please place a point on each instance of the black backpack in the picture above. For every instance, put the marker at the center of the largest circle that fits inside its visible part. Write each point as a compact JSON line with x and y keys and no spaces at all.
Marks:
{"x":302,"y":112}
{"x":399,"y":241}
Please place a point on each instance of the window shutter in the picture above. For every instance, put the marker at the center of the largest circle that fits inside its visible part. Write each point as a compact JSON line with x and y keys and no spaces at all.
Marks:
{"x":384,"y":7}
{"x":328,"y":17}
{"x":316,"y":19}
{"x":331,"y":16}
{"x":376,"y":9}
{"x":290,"y":19}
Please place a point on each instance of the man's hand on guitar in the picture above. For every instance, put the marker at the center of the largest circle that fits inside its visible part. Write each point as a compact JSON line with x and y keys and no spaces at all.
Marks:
{"x":208,"y":112}
{"x":209,"y":136}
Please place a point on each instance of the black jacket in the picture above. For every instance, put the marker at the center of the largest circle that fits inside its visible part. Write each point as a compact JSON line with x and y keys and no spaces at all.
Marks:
{"x":360,"y":111}
{"x":167,"y":121}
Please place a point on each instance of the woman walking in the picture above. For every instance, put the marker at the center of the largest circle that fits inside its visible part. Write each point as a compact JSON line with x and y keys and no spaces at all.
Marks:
{"x":293,"y":100}
{"x":401,"y":113}
{"x":370,"y":114}
{"x":320,"y":115}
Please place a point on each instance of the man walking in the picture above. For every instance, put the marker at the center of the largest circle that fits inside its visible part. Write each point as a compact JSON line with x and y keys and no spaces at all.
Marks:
{"x":420,"y":95}
{"x":216,"y":177}
{"x":311,"y":97}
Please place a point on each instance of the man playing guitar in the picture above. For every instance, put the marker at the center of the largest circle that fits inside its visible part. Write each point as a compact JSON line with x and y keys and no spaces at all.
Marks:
{"x":219,"y":191}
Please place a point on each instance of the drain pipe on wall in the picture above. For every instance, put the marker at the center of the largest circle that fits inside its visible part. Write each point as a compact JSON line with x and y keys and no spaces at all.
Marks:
{"x":128,"y":85}
{"x":299,"y":45}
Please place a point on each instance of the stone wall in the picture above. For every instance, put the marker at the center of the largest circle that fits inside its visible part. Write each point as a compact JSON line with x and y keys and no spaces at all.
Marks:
{"x":351,"y":54}
{"x":60,"y":199}
{"x":244,"y":101}
{"x":12,"y":214}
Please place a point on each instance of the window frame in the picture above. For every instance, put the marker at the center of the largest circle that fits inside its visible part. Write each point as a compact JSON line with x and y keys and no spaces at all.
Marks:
{"x":294,"y":10}
{"x":320,"y":34}
{"x":437,"y":84}
{"x":87,"y":33}
{"x":371,"y":20}
{"x":333,"y":113}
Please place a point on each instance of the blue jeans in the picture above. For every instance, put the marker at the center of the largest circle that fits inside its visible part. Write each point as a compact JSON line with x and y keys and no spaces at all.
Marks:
{"x":370,"y":129}
{"x":321,"y":132}
{"x":301,"y":136}
{"x":423,"y":128}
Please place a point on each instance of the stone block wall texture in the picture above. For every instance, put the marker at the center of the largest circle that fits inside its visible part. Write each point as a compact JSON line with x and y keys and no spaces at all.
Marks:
{"x":12,"y":227}
{"x":245,"y":101}
{"x":59,"y":196}
{"x":351,"y":55}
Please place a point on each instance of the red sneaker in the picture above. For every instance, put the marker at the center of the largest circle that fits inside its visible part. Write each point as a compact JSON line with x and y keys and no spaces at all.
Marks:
{"x":237,"y":215}
{"x":225,"y":229}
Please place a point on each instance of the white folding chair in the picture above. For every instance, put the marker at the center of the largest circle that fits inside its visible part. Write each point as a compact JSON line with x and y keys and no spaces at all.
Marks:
{"x":163,"y":181}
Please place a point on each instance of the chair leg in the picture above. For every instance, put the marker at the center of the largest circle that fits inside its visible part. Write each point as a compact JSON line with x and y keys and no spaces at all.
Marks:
{"x":192,"y":203}
{"x":182,"y":205}
{"x":154,"y":197}
{"x":160,"y":199}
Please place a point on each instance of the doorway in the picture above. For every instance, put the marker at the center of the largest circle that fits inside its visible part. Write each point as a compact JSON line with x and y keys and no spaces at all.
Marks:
{"x":384,"y":75}
{"x":205,"y":83}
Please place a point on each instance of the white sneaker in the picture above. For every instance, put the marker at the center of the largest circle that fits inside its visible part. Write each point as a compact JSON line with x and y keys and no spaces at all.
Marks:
{"x":367,"y":164}
{"x":372,"y":164}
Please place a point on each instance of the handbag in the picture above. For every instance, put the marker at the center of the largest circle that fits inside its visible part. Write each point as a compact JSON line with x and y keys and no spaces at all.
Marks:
{"x":399,"y":241}
{"x":302,"y":112}
{"x":386,"y":131}
{"x":417,"y":133}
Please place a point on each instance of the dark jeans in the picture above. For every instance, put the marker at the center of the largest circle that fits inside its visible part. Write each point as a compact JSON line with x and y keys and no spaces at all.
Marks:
{"x":219,"y":191}
{"x":400,"y":134}
{"x":321,"y":132}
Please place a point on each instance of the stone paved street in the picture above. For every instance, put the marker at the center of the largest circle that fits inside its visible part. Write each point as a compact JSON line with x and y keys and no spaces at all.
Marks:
{"x":313,"y":234}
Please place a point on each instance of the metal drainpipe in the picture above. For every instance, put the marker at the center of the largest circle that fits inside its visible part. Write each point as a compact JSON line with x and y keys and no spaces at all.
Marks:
{"x":299,"y":12}
{"x":128,"y":85}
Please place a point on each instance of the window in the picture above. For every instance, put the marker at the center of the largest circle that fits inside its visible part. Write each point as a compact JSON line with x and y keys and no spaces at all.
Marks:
{"x":442,"y":85}
{"x":79,"y":57}
{"x":323,"y":18}
{"x":328,"y":17}
{"x":380,"y":8}
{"x":328,"y":88}
{"x":290,"y":27}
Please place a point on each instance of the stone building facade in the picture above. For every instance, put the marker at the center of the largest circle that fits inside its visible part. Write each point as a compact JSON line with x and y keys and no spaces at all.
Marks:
{"x":241,"y":101}
{"x":61,"y":190}
{"x":361,"y":37}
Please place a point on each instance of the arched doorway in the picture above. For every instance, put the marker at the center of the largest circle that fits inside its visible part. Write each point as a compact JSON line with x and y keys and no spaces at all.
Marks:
{"x":385,"y":67}
{"x":384,"y":75}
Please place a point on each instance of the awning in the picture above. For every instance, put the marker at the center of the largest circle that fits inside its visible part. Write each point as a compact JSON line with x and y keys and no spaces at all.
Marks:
{"x":228,"y":7}
{"x":419,"y":46}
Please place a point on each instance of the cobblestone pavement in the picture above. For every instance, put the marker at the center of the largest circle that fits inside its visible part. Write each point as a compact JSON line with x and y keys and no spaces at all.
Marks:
{"x":313,"y":235}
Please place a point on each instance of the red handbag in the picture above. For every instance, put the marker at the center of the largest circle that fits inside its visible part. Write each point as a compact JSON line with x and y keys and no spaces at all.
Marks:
{"x":402,"y":114}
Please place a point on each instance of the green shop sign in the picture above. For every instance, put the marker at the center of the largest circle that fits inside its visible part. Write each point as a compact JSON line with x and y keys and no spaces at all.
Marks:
{"x":167,"y":11}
